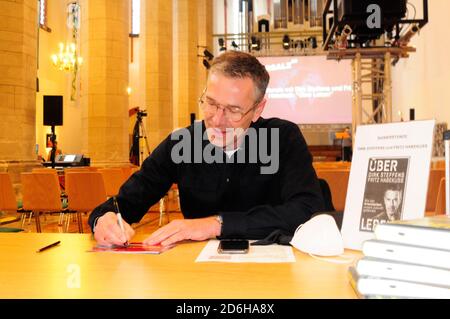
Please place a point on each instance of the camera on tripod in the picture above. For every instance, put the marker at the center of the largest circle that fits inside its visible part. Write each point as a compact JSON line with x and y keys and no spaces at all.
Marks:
{"x":142,"y":113}
{"x":136,"y":152}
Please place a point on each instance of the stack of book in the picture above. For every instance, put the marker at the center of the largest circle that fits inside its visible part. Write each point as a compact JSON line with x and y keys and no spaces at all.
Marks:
{"x":407,"y":259}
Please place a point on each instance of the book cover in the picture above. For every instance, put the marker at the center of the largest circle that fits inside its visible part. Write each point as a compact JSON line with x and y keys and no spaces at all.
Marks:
{"x":369,"y":266}
{"x":433,"y":232}
{"x":132,"y":248}
{"x":420,"y":255}
{"x":379,"y":287}
{"x":388,"y":178}
{"x":383,"y":193}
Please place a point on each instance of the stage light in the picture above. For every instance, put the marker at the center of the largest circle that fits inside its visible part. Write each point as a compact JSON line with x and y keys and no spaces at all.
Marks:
{"x":256,"y":43}
{"x":206,"y":64}
{"x":313,"y":42}
{"x":286,"y":42}
{"x":234,"y":45}
{"x":222,"y":45}
{"x":208,"y":54}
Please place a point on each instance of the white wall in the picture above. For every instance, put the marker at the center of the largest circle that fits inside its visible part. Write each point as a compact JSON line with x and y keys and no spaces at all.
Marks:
{"x":422,"y":80}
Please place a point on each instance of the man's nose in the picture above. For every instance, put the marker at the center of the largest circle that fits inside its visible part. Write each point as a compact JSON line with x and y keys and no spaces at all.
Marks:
{"x":219,"y":117}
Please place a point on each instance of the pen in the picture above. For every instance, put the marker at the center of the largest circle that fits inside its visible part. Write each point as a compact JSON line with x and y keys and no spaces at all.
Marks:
{"x":49,"y":246}
{"x":119,"y":219}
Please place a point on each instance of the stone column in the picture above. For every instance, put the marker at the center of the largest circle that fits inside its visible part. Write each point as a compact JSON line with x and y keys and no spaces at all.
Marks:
{"x":157,"y":50}
{"x":104,"y":80}
{"x":185,"y":61}
{"x":205,"y":32}
{"x":18,"y":70}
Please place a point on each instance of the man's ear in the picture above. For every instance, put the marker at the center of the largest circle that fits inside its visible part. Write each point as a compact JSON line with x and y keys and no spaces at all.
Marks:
{"x":258,"y":110}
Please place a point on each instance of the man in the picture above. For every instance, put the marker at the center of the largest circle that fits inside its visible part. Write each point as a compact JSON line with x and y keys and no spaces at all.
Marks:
{"x":392,"y":200}
{"x":221,"y":195}
{"x":347,"y":145}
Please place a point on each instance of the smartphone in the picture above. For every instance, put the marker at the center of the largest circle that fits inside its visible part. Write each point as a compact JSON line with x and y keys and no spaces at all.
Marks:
{"x":233,"y":246}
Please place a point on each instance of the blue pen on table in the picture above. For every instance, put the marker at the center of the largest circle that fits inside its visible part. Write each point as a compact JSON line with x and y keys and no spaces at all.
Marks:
{"x":49,"y":246}
{"x":119,"y":219}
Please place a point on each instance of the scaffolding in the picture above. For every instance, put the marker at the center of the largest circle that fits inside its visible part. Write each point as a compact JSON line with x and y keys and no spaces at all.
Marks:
{"x":371,"y":81}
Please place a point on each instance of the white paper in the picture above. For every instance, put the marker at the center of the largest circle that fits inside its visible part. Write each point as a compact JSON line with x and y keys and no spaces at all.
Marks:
{"x":257,"y":254}
{"x":409,"y":144}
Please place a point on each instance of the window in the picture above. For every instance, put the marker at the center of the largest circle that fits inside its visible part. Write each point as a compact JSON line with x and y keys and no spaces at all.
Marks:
{"x":43,"y":15}
{"x":135,"y":18}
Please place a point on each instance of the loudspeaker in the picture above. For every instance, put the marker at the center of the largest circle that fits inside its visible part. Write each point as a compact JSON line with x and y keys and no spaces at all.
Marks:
{"x":412,"y":116}
{"x":53,"y":110}
{"x":192,"y":118}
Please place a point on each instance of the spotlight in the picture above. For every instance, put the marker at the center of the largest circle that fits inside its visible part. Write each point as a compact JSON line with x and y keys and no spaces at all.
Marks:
{"x":206,"y":64}
{"x":313,"y":42}
{"x":256,"y":43}
{"x":208,"y":54}
{"x":222,"y":45}
{"x":286,"y":42}
{"x":234,"y":45}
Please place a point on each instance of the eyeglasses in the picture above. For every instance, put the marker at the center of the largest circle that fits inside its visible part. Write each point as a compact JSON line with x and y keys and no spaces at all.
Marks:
{"x":232,"y":113}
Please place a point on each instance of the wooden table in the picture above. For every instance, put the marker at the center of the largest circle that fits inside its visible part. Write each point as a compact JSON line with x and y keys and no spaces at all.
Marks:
{"x":69,"y":271}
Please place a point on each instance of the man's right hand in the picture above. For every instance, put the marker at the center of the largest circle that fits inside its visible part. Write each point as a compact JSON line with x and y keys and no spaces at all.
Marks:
{"x":108,"y":232}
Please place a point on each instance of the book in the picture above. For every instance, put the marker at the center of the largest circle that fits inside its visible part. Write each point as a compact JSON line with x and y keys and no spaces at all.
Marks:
{"x":407,"y":253}
{"x":379,"y":287}
{"x":132,"y":248}
{"x":388,"y":178}
{"x":433,"y":231}
{"x":369,"y":266}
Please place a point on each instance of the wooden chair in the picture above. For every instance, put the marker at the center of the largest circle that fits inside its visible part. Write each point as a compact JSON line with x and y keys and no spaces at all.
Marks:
{"x":41,"y":194}
{"x":113,"y":179}
{"x":441,"y":200}
{"x":82,"y":169}
{"x":7,"y":198}
{"x":164,"y":203}
{"x":433,"y":186}
{"x":127,"y":171}
{"x":337,"y":180}
{"x":44,"y":170}
{"x":85,"y":190}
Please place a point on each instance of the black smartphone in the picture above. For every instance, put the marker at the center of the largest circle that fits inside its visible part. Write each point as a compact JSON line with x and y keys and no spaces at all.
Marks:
{"x":233,"y":246}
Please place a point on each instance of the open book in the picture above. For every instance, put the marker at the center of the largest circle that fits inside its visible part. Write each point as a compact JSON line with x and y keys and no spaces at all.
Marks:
{"x":132,"y":248}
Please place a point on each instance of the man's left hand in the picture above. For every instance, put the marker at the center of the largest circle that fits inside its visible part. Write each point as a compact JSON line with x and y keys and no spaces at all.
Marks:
{"x":185,"y":229}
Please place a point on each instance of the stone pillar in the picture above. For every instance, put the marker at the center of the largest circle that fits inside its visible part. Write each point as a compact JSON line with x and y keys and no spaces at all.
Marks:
{"x":185,"y":60}
{"x":18,"y":72}
{"x":104,"y":80}
{"x":157,"y":50}
{"x":205,"y":32}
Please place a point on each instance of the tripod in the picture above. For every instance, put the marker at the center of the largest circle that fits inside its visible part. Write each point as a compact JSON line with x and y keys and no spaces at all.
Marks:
{"x":136,"y":153}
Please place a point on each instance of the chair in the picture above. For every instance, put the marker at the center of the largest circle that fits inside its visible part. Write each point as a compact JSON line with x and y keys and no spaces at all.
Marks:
{"x":337,"y":180}
{"x":441,"y":200}
{"x":326,"y":193}
{"x":163,"y":203}
{"x":85,"y":191}
{"x":113,"y":179}
{"x":127,"y":171}
{"x":7,"y":198}
{"x":433,"y":185}
{"x":44,"y":170}
{"x":41,"y":193}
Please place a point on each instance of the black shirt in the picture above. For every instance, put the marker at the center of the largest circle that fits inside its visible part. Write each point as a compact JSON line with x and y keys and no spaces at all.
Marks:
{"x":251,"y":204}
